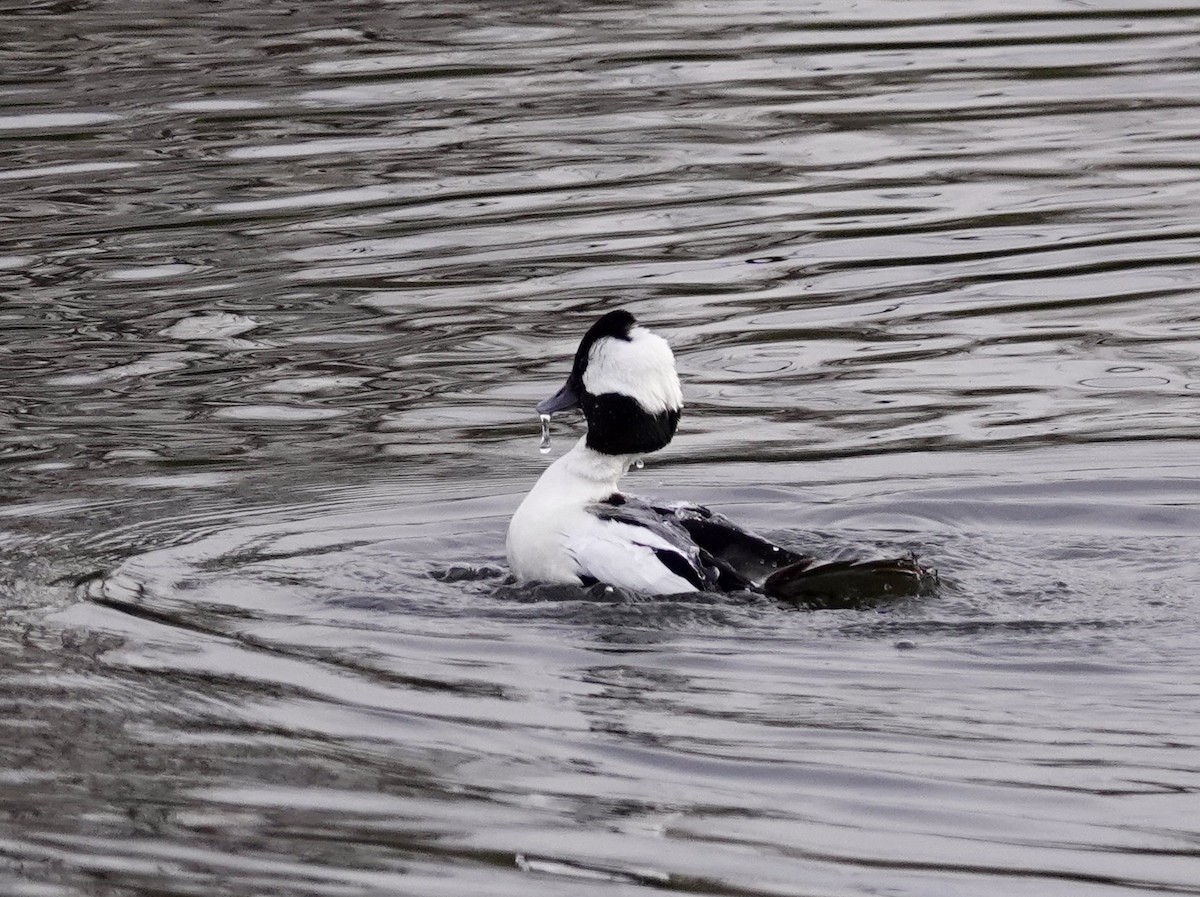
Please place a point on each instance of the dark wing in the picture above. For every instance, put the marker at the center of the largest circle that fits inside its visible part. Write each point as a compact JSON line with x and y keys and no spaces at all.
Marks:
{"x":727,"y":557}
{"x":745,"y":559}
{"x":712,"y":552}
{"x":789,"y":576}
{"x":683,"y":558}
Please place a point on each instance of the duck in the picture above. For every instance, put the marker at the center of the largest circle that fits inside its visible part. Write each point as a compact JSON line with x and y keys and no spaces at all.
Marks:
{"x":577,"y":527}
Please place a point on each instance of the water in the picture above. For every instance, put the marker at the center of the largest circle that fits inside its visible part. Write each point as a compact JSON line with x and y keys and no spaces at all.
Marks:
{"x":281,"y":286}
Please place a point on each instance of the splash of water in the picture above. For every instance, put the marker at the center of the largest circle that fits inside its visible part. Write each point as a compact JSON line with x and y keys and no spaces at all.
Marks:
{"x":544,"y":448}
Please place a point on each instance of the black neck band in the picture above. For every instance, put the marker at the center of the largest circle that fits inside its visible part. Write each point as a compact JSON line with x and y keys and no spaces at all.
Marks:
{"x":618,"y":425}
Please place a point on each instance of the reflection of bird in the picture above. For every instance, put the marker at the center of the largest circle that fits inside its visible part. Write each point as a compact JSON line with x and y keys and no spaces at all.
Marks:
{"x":576,"y":527}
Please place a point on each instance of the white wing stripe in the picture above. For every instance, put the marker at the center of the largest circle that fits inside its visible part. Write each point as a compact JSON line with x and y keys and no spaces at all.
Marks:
{"x":623,"y":555}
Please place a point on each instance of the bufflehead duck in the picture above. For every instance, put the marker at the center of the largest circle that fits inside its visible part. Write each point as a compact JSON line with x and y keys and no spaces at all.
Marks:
{"x":576,"y":527}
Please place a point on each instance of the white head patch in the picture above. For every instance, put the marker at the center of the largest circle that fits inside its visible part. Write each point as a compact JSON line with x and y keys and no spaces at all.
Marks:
{"x":641,"y":367}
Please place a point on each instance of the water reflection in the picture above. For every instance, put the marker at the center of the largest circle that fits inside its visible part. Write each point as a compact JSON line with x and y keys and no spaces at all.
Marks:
{"x":282,"y":287}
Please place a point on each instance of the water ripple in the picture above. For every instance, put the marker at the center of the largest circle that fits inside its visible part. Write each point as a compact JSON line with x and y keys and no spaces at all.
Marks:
{"x":282,"y":285}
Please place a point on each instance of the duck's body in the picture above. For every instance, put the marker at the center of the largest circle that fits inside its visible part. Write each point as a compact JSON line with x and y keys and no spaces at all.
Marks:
{"x":575,"y":526}
{"x":562,"y":534}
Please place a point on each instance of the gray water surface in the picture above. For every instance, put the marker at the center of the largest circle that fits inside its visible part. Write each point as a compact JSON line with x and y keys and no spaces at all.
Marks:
{"x":279,"y":288}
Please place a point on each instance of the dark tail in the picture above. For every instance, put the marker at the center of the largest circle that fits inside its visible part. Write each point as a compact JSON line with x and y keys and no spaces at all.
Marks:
{"x":850,"y":583}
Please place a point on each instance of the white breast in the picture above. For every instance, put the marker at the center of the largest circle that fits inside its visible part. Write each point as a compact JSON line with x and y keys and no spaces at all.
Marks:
{"x":554,"y":538}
